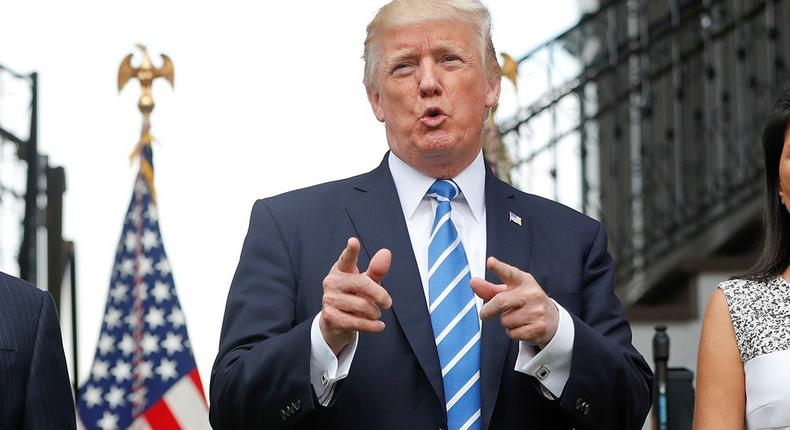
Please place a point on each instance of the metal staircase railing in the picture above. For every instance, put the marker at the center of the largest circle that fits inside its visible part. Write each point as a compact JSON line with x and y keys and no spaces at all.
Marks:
{"x":651,"y":123}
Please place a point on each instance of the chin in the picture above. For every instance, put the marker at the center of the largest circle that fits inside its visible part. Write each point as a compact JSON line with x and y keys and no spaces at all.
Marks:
{"x":438,"y":144}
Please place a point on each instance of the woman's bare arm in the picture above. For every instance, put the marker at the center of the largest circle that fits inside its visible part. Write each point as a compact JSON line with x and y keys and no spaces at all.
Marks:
{"x":721,"y":392}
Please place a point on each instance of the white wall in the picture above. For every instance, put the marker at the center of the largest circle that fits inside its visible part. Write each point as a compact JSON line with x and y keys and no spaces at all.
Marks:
{"x":683,"y":336}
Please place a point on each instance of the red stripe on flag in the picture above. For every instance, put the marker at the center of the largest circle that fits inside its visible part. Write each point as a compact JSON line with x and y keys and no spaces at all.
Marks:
{"x":195,"y":377}
{"x":160,"y":417}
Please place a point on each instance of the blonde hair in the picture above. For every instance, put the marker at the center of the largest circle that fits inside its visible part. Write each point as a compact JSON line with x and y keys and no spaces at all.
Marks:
{"x":399,"y":13}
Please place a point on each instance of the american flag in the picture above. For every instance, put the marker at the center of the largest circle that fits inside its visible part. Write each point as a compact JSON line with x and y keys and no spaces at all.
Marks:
{"x":143,"y":374}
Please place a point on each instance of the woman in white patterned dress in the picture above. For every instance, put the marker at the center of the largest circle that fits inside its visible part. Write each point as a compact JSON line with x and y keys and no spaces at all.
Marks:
{"x":743,"y":372}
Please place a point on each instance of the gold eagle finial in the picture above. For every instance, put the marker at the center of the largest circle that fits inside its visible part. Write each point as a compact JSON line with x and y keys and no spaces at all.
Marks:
{"x":145,"y":73}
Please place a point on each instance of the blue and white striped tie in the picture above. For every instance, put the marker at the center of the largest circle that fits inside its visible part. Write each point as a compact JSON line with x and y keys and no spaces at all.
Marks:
{"x":456,"y":327}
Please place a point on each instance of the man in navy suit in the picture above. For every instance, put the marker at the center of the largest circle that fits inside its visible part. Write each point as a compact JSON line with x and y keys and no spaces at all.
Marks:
{"x":479,"y":307}
{"x":34,"y":383}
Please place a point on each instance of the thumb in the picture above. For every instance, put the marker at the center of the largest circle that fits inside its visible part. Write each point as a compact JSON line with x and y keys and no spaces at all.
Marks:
{"x":486,"y":290}
{"x":379,"y":265}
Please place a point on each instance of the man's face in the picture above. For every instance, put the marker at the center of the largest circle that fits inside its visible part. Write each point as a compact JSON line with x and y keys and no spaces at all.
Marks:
{"x":432,"y":93}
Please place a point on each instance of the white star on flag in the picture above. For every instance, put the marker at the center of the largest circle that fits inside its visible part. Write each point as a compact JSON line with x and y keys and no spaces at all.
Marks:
{"x":127,"y":267}
{"x":146,"y":266}
{"x":100,"y":369}
{"x":163,"y":266}
{"x":155,"y":317}
{"x":115,"y":397}
{"x":127,"y":345}
{"x":108,"y":421}
{"x":113,"y":318}
{"x":122,"y":371}
{"x":106,"y":344}
{"x":146,"y":370}
{"x":92,"y":396}
{"x":172,"y":343}
{"x":161,"y":292}
{"x":130,"y":241}
{"x":152,"y":214}
{"x":150,"y":240}
{"x":150,"y":344}
{"x":176,"y":318}
{"x":166,"y":369}
{"x":119,"y":292}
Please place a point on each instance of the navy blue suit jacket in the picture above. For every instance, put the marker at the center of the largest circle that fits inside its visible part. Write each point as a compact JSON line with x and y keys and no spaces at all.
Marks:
{"x":34,"y":384}
{"x":261,"y":377}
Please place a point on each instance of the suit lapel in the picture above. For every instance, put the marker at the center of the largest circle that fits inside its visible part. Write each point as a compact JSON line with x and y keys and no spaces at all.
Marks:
{"x":378,"y":219}
{"x":509,"y":242}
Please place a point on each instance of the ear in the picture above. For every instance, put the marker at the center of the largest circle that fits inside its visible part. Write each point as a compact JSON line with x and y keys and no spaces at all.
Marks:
{"x":374,"y":97}
{"x":492,"y":91}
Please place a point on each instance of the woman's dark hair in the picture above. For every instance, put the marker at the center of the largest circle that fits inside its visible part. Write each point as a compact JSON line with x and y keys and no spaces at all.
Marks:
{"x":775,"y":254}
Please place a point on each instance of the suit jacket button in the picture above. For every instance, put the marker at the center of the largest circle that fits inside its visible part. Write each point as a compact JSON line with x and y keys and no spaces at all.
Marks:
{"x":579,"y":404}
{"x":282,"y":415}
{"x":297,"y":404}
{"x":586,"y":409}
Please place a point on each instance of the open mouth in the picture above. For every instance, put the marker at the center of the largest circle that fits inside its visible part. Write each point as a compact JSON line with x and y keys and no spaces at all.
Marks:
{"x":433,"y":117}
{"x":432,"y":113}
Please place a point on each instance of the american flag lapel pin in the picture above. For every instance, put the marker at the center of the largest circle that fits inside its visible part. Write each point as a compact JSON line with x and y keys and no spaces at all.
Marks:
{"x":515,"y":218}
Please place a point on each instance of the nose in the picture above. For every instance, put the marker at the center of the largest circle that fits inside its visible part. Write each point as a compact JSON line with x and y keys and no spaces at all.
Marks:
{"x":429,"y":80}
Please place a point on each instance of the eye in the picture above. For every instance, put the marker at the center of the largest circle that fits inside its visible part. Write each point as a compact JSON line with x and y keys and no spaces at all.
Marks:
{"x":400,"y":68}
{"x":451,"y":58}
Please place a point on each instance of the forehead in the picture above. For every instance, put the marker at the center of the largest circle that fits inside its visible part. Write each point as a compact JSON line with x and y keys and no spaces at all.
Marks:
{"x":429,"y":36}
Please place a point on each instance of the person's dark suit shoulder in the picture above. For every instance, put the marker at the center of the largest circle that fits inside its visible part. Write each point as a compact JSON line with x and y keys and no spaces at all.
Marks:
{"x":34,"y":385}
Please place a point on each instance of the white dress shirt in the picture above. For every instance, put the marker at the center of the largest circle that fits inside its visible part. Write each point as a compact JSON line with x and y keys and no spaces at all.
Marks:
{"x":551,"y":365}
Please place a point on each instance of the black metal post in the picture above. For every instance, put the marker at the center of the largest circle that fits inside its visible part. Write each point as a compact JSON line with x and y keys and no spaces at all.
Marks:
{"x":27,"y":252}
{"x":660,"y":357}
{"x":56,"y":257}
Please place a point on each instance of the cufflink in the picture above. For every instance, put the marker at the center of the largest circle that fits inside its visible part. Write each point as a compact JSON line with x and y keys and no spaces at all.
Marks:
{"x":325,"y":378}
{"x":542,"y":372}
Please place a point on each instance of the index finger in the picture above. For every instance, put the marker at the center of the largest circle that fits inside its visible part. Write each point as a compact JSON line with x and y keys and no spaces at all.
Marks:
{"x":510,"y":275}
{"x":347,"y":262}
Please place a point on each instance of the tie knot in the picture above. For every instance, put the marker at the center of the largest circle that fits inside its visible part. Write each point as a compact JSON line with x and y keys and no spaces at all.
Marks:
{"x":443,"y":190}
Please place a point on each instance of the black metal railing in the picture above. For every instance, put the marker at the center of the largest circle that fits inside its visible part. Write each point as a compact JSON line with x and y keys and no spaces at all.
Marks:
{"x":40,"y":261}
{"x":651,"y":123}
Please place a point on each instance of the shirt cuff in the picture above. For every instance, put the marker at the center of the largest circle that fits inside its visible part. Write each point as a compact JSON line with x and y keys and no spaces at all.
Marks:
{"x":551,"y":365}
{"x":326,"y":368}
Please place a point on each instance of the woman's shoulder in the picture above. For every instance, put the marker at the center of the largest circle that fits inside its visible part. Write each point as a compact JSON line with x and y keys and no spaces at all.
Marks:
{"x":755,"y":291}
{"x":758,"y":310}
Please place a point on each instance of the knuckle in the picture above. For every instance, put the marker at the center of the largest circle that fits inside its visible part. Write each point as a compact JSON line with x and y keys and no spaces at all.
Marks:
{"x":345,"y":322}
{"x":329,"y":316}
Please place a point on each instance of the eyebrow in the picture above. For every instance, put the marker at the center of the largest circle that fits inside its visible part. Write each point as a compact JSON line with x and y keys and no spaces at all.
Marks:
{"x":438,"y":47}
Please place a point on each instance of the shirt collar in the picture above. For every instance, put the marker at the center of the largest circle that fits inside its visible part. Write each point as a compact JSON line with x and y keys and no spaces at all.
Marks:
{"x":412,"y":185}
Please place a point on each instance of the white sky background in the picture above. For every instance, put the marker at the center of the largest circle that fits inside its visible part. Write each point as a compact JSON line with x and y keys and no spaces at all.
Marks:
{"x":268,"y":98}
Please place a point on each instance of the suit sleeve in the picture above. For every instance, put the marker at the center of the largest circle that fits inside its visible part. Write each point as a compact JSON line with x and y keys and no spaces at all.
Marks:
{"x":48,"y":399}
{"x":261,"y":377}
{"x":610,"y":382}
